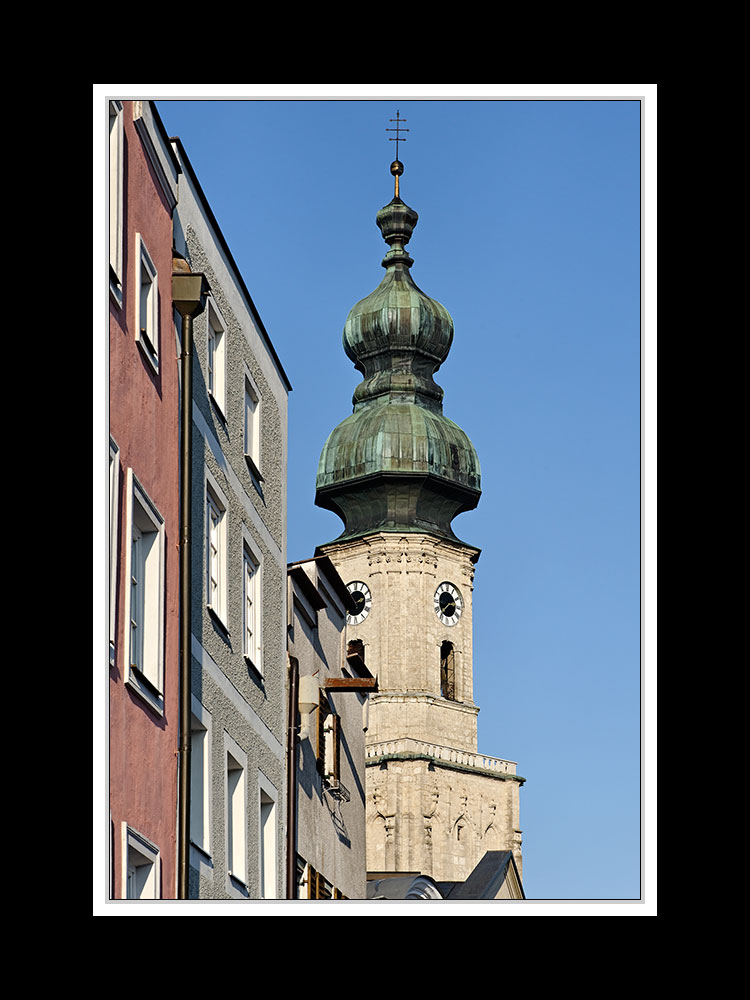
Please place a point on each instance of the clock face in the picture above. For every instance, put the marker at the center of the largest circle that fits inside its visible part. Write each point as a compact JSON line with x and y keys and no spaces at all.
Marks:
{"x":448,"y":603}
{"x":362,"y":600}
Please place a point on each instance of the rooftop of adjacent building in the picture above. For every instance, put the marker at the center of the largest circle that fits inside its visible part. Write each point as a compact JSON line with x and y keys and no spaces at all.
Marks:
{"x":495,"y":876}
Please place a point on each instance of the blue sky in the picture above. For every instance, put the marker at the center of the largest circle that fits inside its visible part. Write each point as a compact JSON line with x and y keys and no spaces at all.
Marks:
{"x":530,"y":234}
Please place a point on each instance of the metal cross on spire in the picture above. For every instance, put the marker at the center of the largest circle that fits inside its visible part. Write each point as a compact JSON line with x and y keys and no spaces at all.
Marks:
{"x":397,"y":167}
{"x":397,"y":130}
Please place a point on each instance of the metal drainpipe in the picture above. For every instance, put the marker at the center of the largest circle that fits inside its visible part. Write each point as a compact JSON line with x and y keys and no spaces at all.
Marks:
{"x":189,"y":299}
{"x":291,"y":778}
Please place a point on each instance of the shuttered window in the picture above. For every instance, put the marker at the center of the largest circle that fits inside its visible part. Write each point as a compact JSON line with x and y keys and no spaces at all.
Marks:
{"x":323,"y":710}
{"x":448,"y":671}
{"x":328,"y":741}
{"x":318,"y":887}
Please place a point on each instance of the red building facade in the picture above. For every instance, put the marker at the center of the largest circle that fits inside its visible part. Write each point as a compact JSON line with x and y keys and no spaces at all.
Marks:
{"x":144,"y":508}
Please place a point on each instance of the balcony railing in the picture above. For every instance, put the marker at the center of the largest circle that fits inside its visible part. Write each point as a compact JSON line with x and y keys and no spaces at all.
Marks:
{"x":449,"y":755}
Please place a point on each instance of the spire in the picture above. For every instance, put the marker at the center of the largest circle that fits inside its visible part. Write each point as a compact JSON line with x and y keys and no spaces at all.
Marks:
{"x":398,"y":336}
{"x":397,"y":167}
{"x":398,"y":464}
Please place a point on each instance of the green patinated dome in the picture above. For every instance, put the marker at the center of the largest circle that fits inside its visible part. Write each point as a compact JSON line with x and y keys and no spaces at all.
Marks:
{"x":398,"y":438}
{"x":397,"y":463}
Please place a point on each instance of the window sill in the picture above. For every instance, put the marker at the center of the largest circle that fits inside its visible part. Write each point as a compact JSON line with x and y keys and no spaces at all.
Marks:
{"x":200,"y":857}
{"x":237,"y":886}
{"x":202,"y":850}
{"x":253,"y":666}
{"x":216,"y":405}
{"x":149,"y":353}
{"x":139,"y":684}
{"x":115,"y":294}
{"x":221,"y":627}
{"x":254,"y":470}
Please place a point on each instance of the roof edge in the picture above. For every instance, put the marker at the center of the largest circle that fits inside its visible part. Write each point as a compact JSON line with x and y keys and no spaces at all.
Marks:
{"x":230,"y":257}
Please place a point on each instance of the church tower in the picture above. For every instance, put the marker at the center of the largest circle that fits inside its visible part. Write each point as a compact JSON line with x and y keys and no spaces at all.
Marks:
{"x":398,"y":471}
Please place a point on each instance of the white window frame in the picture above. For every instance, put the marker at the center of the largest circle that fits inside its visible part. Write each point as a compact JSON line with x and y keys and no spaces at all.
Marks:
{"x":251,"y":437}
{"x":141,"y":866}
{"x":144,"y":660}
{"x":200,"y":777}
{"x":216,"y":548}
{"x":114,"y":511}
{"x":146,"y":303}
{"x":116,"y":200}
{"x":235,"y":813}
{"x":216,"y":356}
{"x":252,"y":603}
{"x":268,"y":798}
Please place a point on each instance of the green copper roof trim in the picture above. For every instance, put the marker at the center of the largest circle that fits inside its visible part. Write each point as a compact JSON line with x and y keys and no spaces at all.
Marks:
{"x":391,"y":436}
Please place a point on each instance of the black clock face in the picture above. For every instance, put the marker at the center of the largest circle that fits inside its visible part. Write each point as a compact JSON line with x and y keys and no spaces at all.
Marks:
{"x":362,"y":599}
{"x":359,"y":601}
{"x":448,"y":603}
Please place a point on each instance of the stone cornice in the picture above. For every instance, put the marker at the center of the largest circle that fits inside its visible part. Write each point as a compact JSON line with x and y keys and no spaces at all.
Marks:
{"x":396,"y":546}
{"x":425,"y":697}
{"x":445,"y":757}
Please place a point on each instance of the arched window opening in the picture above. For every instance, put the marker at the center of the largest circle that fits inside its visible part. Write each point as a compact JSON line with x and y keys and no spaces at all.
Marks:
{"x":448,"y":671}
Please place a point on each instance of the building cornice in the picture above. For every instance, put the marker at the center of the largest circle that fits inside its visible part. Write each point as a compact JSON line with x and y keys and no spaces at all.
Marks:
{"x":447,"y":758}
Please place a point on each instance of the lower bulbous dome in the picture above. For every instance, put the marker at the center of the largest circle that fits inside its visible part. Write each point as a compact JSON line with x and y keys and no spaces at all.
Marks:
{"x":398,"y":467}
{"x":398,"y":438}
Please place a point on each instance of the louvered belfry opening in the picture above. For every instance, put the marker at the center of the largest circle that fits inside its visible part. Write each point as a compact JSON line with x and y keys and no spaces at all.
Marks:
{"x":448,"y":671}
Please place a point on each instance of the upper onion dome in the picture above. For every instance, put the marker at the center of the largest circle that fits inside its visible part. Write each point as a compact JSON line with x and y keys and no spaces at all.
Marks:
{"x":398,"y":336}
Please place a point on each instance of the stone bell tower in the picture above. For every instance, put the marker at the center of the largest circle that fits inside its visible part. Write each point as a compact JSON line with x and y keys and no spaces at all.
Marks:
{"x":397,"y":471}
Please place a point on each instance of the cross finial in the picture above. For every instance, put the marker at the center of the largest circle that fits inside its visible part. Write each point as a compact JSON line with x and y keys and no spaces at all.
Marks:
{"x":397,"y":167}
{"x":398,"y":130}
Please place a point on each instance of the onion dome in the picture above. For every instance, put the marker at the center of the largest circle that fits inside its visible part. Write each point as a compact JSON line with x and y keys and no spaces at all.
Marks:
{"x":397,"y":336}
{"x":397,"y":463}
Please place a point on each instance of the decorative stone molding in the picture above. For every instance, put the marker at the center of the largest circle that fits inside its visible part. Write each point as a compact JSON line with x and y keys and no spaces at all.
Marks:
{"x":411,"y":749}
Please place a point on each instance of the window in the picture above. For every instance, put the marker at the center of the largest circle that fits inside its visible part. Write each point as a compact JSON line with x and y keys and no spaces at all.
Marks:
{"x":320,"y":887}
{"x":332,"y":727}
{"x":216,"y":357}
{"x":323,"y":713}
{"x":144,"y":595}
{"x":312,"y":885}
{"x":267,"y":839}
{"x":216,"y":552}
{"x":329,"y":741}
{"x":448,"y":671}
{"x":252,"y":608}
{"x":141,"y":876}
{"x":114,"y":510}
{"x":236,"y":799}
{"x":147,"y":304}
{"x":200,"y":740}
{"x":252,"y":427}
{"x":115,"y":200}
{"x":301,"y":878}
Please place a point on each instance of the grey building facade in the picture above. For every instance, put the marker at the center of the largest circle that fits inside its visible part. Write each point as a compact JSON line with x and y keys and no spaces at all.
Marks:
{"x":238,"y":575}
{"x":330,"y":685}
